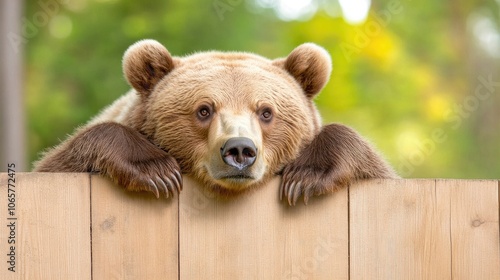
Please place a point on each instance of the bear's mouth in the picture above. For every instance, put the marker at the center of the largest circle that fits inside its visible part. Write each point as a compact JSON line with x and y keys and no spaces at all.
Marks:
{"x":238,"y":177}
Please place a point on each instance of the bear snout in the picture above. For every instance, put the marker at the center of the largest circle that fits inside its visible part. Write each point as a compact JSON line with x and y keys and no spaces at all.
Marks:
{"x":239,"y":152}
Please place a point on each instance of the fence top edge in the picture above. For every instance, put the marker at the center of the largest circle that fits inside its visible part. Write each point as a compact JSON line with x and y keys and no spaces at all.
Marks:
{"x":402,"y":179}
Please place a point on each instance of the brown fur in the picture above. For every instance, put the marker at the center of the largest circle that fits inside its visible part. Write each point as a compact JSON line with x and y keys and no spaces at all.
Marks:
{"x":310,"y":66}
{"x":145,"y":65}
{"x":144,"y":139}
{"x":335,"y":158}
{"x":120,"y":153}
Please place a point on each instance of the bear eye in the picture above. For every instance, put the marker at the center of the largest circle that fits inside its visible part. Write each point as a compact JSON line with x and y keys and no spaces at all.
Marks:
{"x":266,"y":115}
{"x":204,"y":112}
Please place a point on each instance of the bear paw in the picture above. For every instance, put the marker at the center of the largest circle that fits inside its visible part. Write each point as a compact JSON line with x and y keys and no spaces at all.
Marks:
{"x":307,"y":181}
{"x":159,"y":176}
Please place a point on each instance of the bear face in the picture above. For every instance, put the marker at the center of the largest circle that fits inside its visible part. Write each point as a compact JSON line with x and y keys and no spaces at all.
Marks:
{"x":209,"y":101}
{"x":229,"y":120}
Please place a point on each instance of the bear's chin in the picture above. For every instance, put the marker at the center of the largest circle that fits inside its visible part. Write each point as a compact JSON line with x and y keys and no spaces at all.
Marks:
{"x":230,"y":181}
{"x":236,"y":183}
{"x":233,"y":186}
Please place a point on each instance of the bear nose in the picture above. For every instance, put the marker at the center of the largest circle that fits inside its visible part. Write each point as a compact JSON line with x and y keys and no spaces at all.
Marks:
{"x":239,"y":152}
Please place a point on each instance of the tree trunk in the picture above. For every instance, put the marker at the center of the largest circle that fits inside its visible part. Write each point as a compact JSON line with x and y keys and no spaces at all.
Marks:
{"x":12,"y":125}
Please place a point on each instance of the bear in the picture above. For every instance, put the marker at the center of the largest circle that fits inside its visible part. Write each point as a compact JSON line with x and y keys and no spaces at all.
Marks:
{"x":230,"y":120}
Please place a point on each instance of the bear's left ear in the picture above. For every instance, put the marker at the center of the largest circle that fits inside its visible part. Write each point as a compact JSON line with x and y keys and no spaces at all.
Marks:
{"x":145,"y":63}
{"x":310,"y":65}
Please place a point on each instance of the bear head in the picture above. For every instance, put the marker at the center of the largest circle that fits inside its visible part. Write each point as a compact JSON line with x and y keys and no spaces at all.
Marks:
{"x":231,"y":120}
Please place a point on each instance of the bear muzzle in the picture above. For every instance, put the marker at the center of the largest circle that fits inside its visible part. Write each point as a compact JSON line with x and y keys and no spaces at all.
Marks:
{"x":239,"y":153}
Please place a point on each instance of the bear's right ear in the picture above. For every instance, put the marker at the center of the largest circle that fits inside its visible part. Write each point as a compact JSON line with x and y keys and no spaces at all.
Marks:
{"x":145,"y":63}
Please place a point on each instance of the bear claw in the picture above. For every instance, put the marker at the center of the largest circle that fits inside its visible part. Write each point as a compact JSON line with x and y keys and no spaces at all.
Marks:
{"x":169,"y":185}
{"x":161,"y":177}
{"x":296,"y":192}
{"x":154,"y":188}
{"x":163,"y":186}
{"x":178,"y":181}
{"x":292,"y":191}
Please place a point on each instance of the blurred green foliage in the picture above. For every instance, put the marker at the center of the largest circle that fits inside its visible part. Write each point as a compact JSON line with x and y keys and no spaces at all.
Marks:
{"x":405,"y":78}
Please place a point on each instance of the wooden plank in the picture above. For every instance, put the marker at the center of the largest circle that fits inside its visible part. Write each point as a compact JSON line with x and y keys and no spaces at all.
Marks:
{"x":474,"y":228}
{"x":52,"y":230}
{"x":134,"y":235}
{"x":257,"y":237}
{"x":399,"y":229}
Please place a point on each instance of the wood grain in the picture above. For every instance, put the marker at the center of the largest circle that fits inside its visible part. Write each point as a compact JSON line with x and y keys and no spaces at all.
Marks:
{"x":399,"y":229}
{"x":425,"y":229}
{"x":258,"y":237}
{"x":134,"y":235}
{"x":474,"y":228}
{"x":77,"y":226}
{"x":52,"y":226}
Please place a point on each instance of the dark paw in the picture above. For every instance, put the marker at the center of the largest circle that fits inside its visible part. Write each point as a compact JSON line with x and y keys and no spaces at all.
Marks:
{"x":309,"y":181}
{"x":159,"y":176}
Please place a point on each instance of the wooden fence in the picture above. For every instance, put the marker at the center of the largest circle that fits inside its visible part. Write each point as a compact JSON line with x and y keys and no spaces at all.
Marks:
{"x":80,"y":226}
